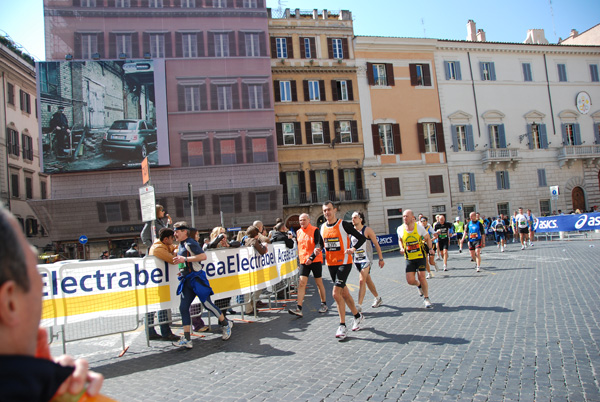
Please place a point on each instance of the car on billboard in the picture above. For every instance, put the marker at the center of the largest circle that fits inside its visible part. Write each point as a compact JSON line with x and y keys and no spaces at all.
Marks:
{"x":135,"y":136}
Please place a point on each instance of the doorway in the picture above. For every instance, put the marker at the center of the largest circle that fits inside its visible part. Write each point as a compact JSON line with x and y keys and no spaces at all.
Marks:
{"x":578,"y":198}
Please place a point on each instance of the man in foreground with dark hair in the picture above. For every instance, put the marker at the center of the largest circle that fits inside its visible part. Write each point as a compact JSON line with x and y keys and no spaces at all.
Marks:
{"x":27,"y":372}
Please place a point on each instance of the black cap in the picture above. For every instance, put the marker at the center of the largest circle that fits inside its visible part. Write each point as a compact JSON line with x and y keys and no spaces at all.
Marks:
{"x":61,"y":107}
{"x":133,"y":244}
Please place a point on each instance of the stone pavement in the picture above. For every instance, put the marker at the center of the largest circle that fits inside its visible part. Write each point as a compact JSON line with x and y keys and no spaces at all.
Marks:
{"x":525,"y":328}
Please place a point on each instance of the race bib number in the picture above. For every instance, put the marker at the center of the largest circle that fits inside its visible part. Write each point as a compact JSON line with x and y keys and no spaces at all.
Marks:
{"x":523,"y":224}
{"x":443,"y":235}
{"x":413,"y":247}
{"x":473,"y":236}
{"x":360,"y":255}
{"x":332,"y":244}
{"x":499,"y":228}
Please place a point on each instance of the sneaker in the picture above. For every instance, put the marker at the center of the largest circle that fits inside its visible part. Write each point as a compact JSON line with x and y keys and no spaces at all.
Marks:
{"x":183,"y":343}
{"x":227,"y":330}
{"x":341,"y":332}
{"x":460,"y":250}
{"x":522,"y":247}
{"x":498,"y":245}
{"x":445,"y":267}
{"x":435,"y":268}
{"x":297,"y":312}
{"x":427,"y":276}
{"x":359,"y":308}
{"x":432,"y":275}
{"x":438,"y":258}
{"x":502,"y":249}
{"x":357,"y":321}
{"x":377,"y":302}
{"x":427,"y":303}
{"x":478,"y":269}
{"x":420,"y":291}
{"x":530,"y":244}
{"x":155,"y":337}
{"x":323,"y":309}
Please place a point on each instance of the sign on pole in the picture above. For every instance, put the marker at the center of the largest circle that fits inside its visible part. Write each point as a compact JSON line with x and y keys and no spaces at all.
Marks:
{"x":148,"y":203}
{"x":554,"y":192}
{"x":145,"y":171}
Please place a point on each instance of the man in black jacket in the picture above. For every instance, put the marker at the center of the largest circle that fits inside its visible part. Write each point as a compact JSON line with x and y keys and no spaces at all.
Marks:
{"x":280,"y":235}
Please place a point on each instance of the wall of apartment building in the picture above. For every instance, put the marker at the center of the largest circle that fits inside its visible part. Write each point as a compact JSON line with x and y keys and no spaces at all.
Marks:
{"x":246,"y":179}
{"x":20,"y":175}
{"x":408,"y":106}
{"x":305,"y":154}
{"x":517,"y":104}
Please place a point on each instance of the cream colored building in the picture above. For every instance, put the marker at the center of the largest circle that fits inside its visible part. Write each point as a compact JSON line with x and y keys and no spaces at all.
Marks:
{"x":20,"y":177}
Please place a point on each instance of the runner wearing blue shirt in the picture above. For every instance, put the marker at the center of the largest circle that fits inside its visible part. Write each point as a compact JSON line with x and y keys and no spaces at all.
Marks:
{"x":500,"y":232}
{"x":475,"y":233}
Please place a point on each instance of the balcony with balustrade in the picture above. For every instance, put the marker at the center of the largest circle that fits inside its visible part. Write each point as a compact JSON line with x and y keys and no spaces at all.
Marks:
{"x":589,"y":154}
{"x":509,"y":157}
{"x":312,"y":198}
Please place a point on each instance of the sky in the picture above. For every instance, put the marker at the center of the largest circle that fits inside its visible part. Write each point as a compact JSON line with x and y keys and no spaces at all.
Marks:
{"x":502,"y":21}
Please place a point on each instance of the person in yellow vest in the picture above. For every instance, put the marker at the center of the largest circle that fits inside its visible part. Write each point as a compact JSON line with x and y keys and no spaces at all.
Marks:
{"x":411,"y":238}
{"x":459,"y":229}
{"x":339,"y":250}
{"x":310,"y":245}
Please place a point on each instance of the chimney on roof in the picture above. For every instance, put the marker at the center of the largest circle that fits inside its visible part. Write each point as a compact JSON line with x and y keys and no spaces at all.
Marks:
{"x":480,"y":35}
{"x":536,"y":36}
{"x":471,"y":31}
{"x":574,"y":33}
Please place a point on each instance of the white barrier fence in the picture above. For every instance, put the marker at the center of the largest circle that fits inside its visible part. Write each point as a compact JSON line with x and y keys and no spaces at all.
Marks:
{"x":87,"y":299}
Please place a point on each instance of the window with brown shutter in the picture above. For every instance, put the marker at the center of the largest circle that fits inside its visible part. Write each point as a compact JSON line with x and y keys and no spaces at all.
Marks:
{"x":436,"y":184}
{"x":392,"y":187}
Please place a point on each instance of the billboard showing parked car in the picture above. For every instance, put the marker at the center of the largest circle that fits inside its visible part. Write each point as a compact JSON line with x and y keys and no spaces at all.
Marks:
{"x":102,"y":115}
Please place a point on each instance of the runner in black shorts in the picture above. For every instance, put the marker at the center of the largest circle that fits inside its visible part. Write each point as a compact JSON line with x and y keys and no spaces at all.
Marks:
{"x":443,"y":229}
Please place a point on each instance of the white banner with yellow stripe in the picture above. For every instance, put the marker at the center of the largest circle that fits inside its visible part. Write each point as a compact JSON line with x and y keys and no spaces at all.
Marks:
{"x":79,"y":291}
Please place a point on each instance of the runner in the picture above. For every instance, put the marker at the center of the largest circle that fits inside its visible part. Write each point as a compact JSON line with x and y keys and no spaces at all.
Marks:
{"x":443,"y":230}
{"x":513,"y":225}
{"x":459,"y":229}
{"x":310,"y":244}
{"x":500,"y":232}
{"x":438,"y":251}
{"x":411,"y":238}
{"x":429,"y":259}
{"x":336,"y":237}
{"x":475,"y":232}
{"x":522,"y":224}
{"x":531,"y":219}
{"x":363,"y":259}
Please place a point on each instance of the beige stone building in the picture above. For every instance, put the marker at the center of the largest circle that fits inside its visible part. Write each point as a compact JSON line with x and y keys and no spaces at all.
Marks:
{"x":317,"y":113}
{"x":20,"y":177}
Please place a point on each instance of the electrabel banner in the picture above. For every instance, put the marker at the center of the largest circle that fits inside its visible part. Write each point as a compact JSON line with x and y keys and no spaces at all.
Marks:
{"x":568,"y":223}
{"x":80,"y":291}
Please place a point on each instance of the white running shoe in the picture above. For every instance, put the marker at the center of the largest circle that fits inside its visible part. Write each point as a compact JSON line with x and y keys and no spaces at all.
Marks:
{"x":522,"y":247}
{"x":427,"y":303}
{"x":183,"y":343}
{"x":357,"y":321}
{"x":377,"y":302}
{"x":478,"y":269}
{"x":435,"y":268}
{"x":502,"y":249}
{"x":227,"y":330}
{"x":427,"y":276}
{"x":341,"y":332}
{"x":445,"y":267}
{"x":420,"y":291}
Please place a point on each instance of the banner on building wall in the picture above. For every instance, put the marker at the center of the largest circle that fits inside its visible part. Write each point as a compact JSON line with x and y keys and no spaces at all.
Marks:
{"x":102,"y":115}
{"x":80,"y":291}
{"x":568,"y":223}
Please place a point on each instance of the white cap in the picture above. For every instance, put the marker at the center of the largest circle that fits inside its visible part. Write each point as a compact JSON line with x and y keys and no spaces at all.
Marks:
{"x":457,"y":218}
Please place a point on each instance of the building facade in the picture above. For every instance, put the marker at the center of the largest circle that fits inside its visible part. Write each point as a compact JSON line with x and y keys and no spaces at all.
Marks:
{"x":221,"y":129}
{"x":405,"y":162}
{"x":317,"y":113}
{"x":520,"y":118}
{"x":20,"y":176}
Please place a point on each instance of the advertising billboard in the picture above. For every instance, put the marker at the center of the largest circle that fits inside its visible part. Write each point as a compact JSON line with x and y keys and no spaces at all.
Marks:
{"x":102,"y":115}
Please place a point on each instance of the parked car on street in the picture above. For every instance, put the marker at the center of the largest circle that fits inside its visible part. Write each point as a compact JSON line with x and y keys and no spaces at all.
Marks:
{"x":135,"y":136}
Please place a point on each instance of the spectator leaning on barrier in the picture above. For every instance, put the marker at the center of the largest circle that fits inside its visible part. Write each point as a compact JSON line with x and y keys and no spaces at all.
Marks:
{"x":164,"y":249}
{"x":253,"y":240}
{"x":193,"y":282}
{"x":27,"y":371}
